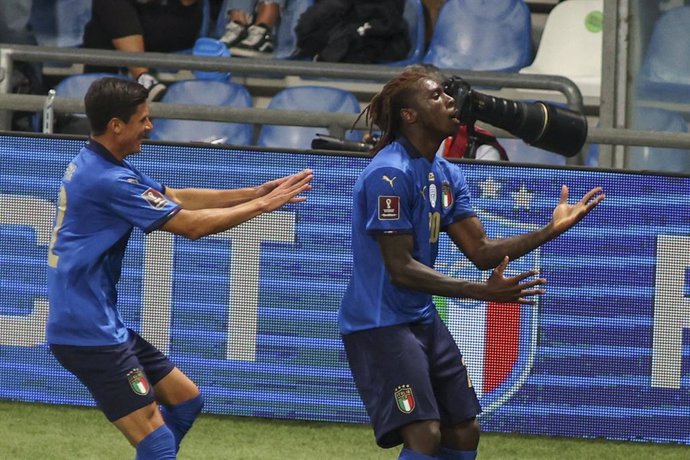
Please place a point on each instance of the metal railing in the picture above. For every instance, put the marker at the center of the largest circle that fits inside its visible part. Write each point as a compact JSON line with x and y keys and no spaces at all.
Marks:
{"x":337,"y":123}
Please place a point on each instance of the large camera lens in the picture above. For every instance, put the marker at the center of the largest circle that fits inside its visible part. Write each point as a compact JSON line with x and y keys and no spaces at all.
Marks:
{"x":547,"y":126}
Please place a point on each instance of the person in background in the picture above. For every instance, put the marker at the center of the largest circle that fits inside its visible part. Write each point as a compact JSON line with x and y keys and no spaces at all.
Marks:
{"x":102,"y":198}
{"x":26,"y":77}
{"x":406,"y":365}
{"x":143,"y":25}
{"x":251,"y":26}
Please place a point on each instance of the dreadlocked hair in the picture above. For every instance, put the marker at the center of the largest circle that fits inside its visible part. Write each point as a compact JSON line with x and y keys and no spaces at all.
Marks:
{"x":384,"y":108}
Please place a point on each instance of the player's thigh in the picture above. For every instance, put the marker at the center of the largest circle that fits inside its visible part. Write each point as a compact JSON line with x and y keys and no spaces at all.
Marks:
{"x":391,"y":371}
{"x":140,"y":423}
{"x":175,"y":388}
{"x":112,"y":374}
{"x":171,"y":385}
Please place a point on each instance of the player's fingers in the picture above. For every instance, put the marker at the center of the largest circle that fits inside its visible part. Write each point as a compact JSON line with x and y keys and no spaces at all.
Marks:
{"x":524,"y":275}
{"x":523,"y":301}
{"x":500,"y":269}
{"x":295,"y":183}
{"x":564,"y":194}
{"x":591,"y":194}
{"x":592,"y":203}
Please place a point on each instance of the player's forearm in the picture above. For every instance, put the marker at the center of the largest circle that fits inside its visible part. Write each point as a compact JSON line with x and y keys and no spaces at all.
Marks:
{"x":203,"y":198}
{"x":194,"y":224}
{"x":419,"y":277}
{"x":492,"y":253}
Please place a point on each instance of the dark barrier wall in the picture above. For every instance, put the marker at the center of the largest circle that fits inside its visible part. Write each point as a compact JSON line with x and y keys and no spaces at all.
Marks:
{"x":251,"y":314}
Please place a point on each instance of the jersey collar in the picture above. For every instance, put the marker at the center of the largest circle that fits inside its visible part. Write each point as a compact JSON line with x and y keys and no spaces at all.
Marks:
{"x":100,"y":149}
{"x":409,"y":148}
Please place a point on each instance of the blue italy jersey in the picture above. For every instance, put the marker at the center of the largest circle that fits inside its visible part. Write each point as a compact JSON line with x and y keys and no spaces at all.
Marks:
{"x":399,"y":192}
{"x":101,"y":200}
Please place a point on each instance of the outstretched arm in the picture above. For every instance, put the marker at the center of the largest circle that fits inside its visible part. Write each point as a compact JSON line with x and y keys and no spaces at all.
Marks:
{"x":204,"y":198}
{"x":469,"y":236}
{"x":407,"y":272}
{"x":196,"y":223}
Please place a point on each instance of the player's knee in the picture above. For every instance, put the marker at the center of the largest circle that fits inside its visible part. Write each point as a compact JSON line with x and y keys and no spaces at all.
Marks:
{"x":462,"y":436}
{"x":196,"y":404}
{"x":424,"y":437}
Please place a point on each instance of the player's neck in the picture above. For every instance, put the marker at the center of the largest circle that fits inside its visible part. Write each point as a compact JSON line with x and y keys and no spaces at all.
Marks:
{"x":113,"y":147}
{"x":424,"y":145}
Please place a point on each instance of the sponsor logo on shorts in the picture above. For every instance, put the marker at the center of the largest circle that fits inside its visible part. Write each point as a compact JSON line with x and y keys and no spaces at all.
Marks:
{"x":404,"y":399}
{"x":137,"y":380}
{"x":155,"y":198}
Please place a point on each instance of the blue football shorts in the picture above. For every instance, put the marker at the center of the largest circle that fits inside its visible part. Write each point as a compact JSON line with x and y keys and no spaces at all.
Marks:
{"x":409,"y":373}
{"x":119,"y":377}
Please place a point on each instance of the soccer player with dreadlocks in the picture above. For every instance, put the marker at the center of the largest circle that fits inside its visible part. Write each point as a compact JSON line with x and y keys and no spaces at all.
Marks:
{"x":407,"y":367}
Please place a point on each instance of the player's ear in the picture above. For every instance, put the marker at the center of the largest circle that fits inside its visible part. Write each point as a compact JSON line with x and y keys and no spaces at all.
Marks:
{"x":115,"y":125}
{"x":408,"y":115}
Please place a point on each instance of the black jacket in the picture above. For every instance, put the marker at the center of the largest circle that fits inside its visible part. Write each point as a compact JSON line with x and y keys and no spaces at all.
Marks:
{"x":356,"y":31}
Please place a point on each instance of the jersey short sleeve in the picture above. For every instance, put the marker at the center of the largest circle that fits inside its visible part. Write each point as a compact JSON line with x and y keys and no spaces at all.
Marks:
{"x":387,"y":201}
{"x":139,"y":200}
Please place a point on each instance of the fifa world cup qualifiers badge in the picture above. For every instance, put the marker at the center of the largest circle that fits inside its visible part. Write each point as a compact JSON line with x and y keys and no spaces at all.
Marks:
{"x":389,"y":207}
{"x":404,"y":399}
{"x":137,"y":380}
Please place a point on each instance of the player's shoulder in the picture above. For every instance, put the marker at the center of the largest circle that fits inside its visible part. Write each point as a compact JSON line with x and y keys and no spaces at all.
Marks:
{"x":448,"y":167}
{"x":391,"y":156}
{"x":90,"y":169}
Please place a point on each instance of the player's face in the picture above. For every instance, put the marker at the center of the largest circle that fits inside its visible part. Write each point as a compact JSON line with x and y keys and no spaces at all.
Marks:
{"x":136,"y":129}
{"x":436,"y":109}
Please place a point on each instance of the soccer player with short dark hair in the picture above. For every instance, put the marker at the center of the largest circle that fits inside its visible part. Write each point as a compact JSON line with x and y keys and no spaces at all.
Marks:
{"x":102,"y":198}
{"x":407,"y":367}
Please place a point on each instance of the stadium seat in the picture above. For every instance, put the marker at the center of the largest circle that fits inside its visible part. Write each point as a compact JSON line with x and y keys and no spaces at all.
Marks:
{"x":60,"y":23}
{"x":414,"y":16}
{"x":210,"y":47}
{"x":285,"y":38}
{"x":481,"y":35}
{"x":75,"y":86}
{"x":665,"y":71}
{"x":205,"y":92}
{"x":657,"y":158}
{"x":571,"y":45}
{"x":306,"y":98}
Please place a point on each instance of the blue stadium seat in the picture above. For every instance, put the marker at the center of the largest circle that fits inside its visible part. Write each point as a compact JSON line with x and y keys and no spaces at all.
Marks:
{"x":75,"y":86}
{"x":306,"y":98}
{"x":414,"y":16}
{"x":657,"y":158}
{"x":60,"y":23}
{"x":482,"y":35}
{"x":665,"y":71}
{"x":205,"y":92}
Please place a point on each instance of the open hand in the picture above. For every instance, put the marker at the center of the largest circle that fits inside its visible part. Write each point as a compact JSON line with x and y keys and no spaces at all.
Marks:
{"x":513,"y":289}
{"x":565,"y":215}
{"x":286,"y":190}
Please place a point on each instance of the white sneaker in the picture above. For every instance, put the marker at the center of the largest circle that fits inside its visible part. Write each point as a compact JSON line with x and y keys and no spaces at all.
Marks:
{"x":259,"y":42}
{"x":234,"y":33}
{"x":155,"y":88}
